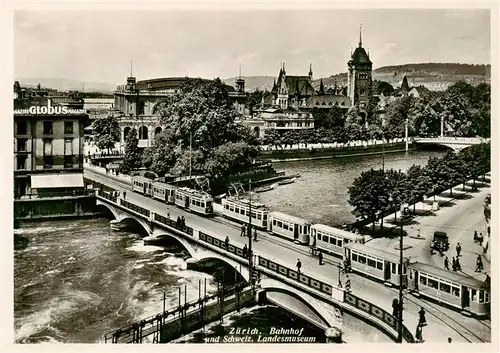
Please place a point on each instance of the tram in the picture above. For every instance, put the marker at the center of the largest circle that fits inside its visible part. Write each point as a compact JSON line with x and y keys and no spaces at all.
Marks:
{"x":332,"y":240}
{"x":193,"y":200}
{"x":164,"y":192}
{"x":290,"y":227}
{"x":452,"y":288}
{"x":142,"y":185}
{"x":375,"y":263}
{"x":238,"y":209}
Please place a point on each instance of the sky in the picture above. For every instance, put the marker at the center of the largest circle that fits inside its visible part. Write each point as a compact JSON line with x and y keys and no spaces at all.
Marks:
{"x":98,"y":46}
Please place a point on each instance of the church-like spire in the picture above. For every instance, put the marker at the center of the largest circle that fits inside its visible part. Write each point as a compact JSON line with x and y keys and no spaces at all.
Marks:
{"x":310,"y":71}
{"x":360,"y":41}
{"x":321,"y":87}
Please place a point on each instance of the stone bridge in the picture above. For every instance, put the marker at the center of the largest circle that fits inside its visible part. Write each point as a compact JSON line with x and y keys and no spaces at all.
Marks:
{"x":319,"y":302}
{"x":455,"y":143}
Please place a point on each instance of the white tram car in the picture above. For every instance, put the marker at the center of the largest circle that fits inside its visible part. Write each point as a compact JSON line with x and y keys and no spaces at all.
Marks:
{"x":142,"y":185}
{"x":164,"y":192}
{"x":375,"y":263}
{"x":332,"y":240}
{"x":194,"y":200}
{"x":290,"y":227}
{"x":452,"y":288}
{"x":238,"y":209}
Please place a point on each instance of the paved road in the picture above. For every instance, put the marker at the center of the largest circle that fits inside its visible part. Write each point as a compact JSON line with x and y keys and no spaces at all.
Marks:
{"x":459,"y":218}
{"x":443,"y":322}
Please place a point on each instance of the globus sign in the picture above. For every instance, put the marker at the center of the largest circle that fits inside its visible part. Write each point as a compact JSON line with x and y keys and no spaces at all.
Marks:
{"x":49,"y":110}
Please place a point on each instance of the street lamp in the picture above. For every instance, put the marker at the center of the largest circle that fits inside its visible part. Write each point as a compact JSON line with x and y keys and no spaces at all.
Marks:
{"x":403,"y":208}
{"x":391,"y":200}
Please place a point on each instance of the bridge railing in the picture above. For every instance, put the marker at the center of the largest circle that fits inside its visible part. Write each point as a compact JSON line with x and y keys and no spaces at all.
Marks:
{"x":108,"y":196}
{"x":221,"y":244}
{"x":135,"y":208}
{"x":296,"y":276}
{"x":172,"y":223}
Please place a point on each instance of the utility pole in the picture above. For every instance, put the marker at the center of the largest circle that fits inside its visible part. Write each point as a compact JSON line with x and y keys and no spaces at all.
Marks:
{"x":250,"y":257}
{"x":190,"y":150}
{"x":406,"y":134}
{"x":400,"y":328}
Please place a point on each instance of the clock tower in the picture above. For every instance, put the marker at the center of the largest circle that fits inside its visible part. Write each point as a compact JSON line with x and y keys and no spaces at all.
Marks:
{"x":359,"y":86}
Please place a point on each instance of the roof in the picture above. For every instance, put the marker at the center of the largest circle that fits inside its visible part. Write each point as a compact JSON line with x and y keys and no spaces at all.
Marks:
{"x":328,"y":100}
{"x":194,"y":192}
{"x":169,"y":83}
{"x":288,"y":217}
{"x":360,"y":56}
{"x":245,"y":202}
{"x":336,"y":231}
{"x":456,"y":277}
{"x":57,"y":181}
{"x":404,"y":85}
{"x":300,"y":83}
{"x":368,"y":250}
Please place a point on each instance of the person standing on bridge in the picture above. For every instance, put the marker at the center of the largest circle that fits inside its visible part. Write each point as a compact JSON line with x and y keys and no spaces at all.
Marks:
{"x":457,"y":263}
{"x":245,"y":250}
{"x":320,"y":258}
{"x":479,"y":264}
{"x":255,"y":235}
{"x":183,"y":221}
{"x":348,"y":284}
{"x":299,"y":265}
{"x":226,"y":243}
{"x":453,"y":264}
{"x":168,"y":213}
{"x":124,"y":195}
{"x":459,"y":249}
{"x":243,"y":231}
{"x":422,"y":321}
{"x":446,"y":263}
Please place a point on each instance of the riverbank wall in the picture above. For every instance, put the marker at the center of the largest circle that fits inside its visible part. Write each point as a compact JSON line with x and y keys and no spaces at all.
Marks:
{"x":57,"y":207}
{"x":288,"y":155}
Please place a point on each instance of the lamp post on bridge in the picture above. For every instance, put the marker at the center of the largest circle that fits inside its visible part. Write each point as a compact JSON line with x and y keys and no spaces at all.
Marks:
{"x":250,"y":254}
{"x":403,"y":208}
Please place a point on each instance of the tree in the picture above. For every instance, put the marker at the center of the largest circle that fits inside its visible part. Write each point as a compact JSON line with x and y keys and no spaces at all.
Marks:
{"x":382,"y":87}
{"x":395,"y":118}
{"x":106,"y":132}
{"x":418,"y":184}
{"x":132,"y":158}
{"x":254,"y":99}
{"x":199,"y":118}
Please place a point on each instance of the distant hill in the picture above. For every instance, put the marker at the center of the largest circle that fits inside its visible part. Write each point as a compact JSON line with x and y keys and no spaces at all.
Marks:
{"x":62,"y":84}
{"x":434,"y":76}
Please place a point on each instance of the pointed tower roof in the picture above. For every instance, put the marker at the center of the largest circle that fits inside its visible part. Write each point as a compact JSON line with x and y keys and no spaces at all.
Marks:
{"x":404,"y":85}
{"x":360,"y":56}
{"x":321,"y":87}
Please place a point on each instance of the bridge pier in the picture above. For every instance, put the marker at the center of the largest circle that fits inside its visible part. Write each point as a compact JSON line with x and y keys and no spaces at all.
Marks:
{"x":117,"y":225}
{"x":333,"y":335}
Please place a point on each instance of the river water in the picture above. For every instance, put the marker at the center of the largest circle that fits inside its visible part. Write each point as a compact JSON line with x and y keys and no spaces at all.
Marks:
{"x":76,"y":280}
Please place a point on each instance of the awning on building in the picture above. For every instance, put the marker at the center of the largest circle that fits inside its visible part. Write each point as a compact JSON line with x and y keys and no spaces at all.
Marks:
{"x":57,"y":181}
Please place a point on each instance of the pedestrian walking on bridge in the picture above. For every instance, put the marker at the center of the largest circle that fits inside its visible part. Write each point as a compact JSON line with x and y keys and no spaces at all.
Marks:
{"x":453,"y":264}
{"x":395,"y":307}
{"x":446,"y":263}
{"x":479,"y":264}
{"x":168,"y":213}
{"x":418,"y":334}
{"x":124,"y":195}
{"x":459,"y":249}
{"x":243,"y":231}
{"x":347,"y":284}
{"x":320,"y":258}
{"x":457,"y":263}
{"x":226,"y":243}
{"x":422,"y":321}
{"x":299,"y":265}
{"x":255,"y":235}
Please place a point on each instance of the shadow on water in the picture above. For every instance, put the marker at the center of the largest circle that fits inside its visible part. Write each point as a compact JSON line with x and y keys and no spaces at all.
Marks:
{"x":20,"y":242}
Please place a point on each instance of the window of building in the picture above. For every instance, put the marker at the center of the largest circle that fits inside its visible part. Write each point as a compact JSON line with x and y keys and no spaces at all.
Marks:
{"x":21,"y":162}
{"x":47,"y":127}
{"x":68,"y":161}
{"x":22,"y":127}
{"x":68,"y":127}
{"x":68,"y":147}
{"x":21,"y":145}
{"x":47,"y":147}
{"x":48,"y":162}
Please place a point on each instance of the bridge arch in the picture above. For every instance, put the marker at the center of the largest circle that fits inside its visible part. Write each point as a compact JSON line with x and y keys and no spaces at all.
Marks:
{"x":278,"y":296}
{"x":242,"y":270}
{"x":190,"y":248}
{"x":110,"y":209}
{"x":145,"y":227}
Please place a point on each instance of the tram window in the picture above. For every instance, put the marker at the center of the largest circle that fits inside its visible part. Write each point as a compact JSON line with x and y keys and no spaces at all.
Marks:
{"x":236,"y":209}
{"x":226,"y":206}
{"x":371,"y":263}
{"x":265,"y":217}
{"x":456,"y":292}
{"x":259,"y":216}
{"x":346,"y":241}
{"x":253,"y":215}
{"x":279,"y":224}
{"x":339,"y":243}
{"x":423,"y":280}
{"x":333,"y":241}
{"x":393,"y":270}
{"x":443,"y":287}
{"x":202,"y":204}
{"x":285,"y":226}
{"x":486,"y":297}
{"x":379,"y":265}
{"x":432,"y":283}
{"x":481,"y":296}
{"x":362,"y":260}
{"x":274,"y":222}
{"x":354,"y":257}
{"x":242,"y":211}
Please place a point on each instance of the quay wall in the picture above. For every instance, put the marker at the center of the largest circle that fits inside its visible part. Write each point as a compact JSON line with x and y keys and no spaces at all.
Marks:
{"x":287,"y":155}
{"x":52,"y":208}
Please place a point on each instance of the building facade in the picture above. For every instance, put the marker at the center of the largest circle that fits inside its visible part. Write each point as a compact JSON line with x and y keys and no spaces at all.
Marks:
{"x":137,"y":104}
{"x":48,"y":146}
{"x":359,"y":85}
